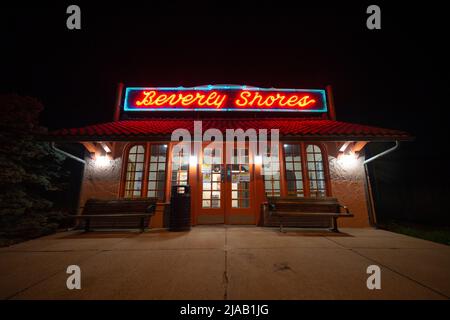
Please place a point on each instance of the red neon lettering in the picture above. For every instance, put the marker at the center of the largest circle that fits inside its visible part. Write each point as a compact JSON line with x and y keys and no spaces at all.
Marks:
{"x":160,"y":100}
{"x":216,"y":99}
{"x":292,"y":101}
{"x":153,"y":98}
{"x":259,"y":97}
{"x":256,"y":99}
{"x":243,"y":95}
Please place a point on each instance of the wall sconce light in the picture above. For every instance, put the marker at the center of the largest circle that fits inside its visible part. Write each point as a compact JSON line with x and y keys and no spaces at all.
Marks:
{"x":344,"y":146}
{"x":258,"y":160}
{"x":102,"y":161}
{"x":349,"y":159}
{"x":105,"y":147}
{"x":193,"y":160}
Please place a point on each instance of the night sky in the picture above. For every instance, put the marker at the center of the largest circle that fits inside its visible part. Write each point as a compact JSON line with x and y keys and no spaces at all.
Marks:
{"x":393,"y":77}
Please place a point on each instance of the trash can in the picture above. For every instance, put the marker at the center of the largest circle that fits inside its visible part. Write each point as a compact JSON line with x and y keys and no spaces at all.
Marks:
{"x":180,"y":208}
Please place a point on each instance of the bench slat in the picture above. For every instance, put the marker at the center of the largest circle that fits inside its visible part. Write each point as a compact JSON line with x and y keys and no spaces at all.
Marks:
{"x":118,"y":215}
{"x":311,"y":214}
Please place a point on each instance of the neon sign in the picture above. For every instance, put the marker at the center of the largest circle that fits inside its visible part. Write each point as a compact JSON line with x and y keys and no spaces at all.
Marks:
{"x":224,"y":98}
{"x":152,"y":98}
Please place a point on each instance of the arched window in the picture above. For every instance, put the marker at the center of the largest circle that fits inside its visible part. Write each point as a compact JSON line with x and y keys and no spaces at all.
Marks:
{"x":304,"y":170}
{"x":294,"y":170}
{"x":180,"y":168}
{"x":135,"y":172}
{"x":271,"y":172}
{"x":157,"y":171}
{"x":145,"y":171}
{"x":316,"y":172}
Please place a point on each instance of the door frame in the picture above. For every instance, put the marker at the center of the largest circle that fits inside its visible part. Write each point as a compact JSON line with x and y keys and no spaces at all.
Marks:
{"x":214,"y":213}
{"x":230,"y":215}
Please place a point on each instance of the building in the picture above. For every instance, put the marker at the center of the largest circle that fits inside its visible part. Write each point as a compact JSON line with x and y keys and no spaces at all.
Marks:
{"x":134,"y":155}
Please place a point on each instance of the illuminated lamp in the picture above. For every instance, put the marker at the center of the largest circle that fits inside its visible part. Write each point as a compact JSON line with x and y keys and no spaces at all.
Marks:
{"x":349,"y":159}
{"x":344,"y":146}
{"x":193,"y":160}
{"x":258,"y":160}
{"x":102,"y":161}
{"x":105,"y":147}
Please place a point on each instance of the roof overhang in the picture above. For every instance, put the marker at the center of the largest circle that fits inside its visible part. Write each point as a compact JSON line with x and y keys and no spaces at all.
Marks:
{"x":289,"y":130}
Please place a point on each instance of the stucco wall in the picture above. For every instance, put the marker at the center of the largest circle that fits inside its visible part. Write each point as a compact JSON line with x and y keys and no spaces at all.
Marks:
{"x":102,"y":178}
{"x":347,"y":185}
{"x":102,"y":181}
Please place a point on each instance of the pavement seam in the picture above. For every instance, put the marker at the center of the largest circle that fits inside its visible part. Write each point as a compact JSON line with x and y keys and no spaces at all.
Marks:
{"x":225,"y":271}
{"x":55,"y":273}
{"x":209,"y":248}
{"x":48,"y":251}
{"x":392,"y":270}
{"x":42,"y":280}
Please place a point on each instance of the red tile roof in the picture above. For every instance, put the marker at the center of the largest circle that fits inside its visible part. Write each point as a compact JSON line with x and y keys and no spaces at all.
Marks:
{"x":300,"y":128}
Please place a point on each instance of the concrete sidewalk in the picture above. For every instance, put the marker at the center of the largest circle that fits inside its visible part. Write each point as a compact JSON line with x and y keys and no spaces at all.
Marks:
{"x":226,"y":262}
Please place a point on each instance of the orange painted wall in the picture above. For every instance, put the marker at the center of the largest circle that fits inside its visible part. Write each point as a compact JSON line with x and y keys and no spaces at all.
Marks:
{"x":347,"y":185}
{"x":102,"y":181}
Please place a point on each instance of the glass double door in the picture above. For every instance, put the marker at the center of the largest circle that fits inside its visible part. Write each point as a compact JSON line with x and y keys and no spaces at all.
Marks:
{"x":226,"y":185}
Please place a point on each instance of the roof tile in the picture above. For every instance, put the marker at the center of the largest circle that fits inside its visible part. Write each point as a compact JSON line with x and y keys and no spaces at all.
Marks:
{"x":316,"y":128}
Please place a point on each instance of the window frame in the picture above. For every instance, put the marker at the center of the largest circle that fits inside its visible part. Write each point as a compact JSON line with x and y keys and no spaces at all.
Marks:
{"x":304,"y":163}
{"x":147,"y":150}
{"x":171,"y":171}
{"x":280,"y":173}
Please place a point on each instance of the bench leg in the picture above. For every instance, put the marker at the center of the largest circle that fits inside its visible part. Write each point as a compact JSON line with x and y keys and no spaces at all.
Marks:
{"x":335,"y":226}
{"x":87,"y":225}
{"x":142,"y":224}
{"x":281,"y":225}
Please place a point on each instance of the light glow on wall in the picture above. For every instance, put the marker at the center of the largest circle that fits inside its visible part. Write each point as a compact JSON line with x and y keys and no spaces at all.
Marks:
{"x":258,"y":160}
{"x":193,"y":160}
{"x":348,"y":160}
{"x":102,"y":161}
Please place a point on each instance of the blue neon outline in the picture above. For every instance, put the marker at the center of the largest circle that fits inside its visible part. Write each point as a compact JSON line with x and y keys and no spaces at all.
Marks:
{"x":210,"y":87}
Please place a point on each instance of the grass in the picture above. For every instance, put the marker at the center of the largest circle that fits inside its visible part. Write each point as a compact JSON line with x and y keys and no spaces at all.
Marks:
{"x":431,"y":233}
{"x":8,"y":242}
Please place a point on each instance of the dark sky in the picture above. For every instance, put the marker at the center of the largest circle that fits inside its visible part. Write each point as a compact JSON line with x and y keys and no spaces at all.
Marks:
{"x":393,"y":77}
{"x":382,"y":77}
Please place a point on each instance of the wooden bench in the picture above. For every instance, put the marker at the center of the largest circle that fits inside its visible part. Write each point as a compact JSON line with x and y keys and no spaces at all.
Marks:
{"x":118,"y":213}
{"x":304,"y":212}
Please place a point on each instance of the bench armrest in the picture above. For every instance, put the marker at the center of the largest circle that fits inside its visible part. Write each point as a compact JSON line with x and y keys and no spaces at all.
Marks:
{"x":270,"y":207}
{"x":151,"y":209}
{"x":345,"y":209}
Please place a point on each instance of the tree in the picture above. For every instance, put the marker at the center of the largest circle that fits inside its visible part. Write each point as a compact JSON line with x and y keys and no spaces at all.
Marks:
{"x":31,"y":172}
